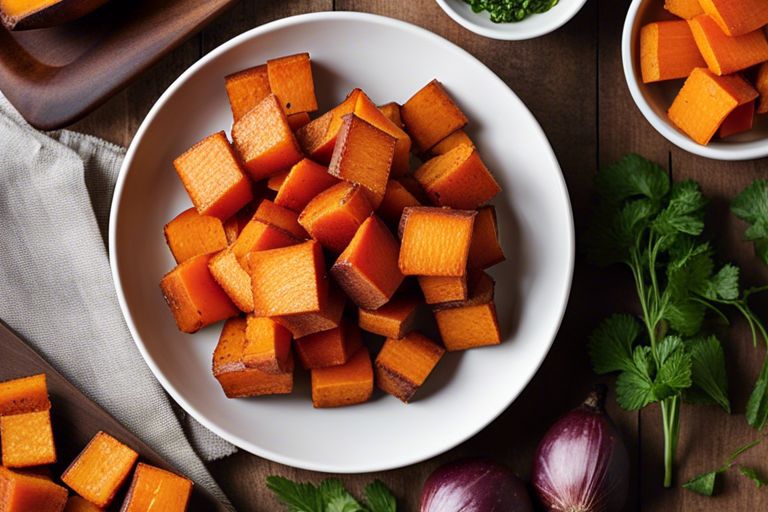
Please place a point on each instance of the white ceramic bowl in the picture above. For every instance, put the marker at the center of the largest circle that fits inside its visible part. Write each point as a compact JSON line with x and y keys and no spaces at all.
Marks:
{"x":533,"y":26}
{"x":654,"y":99}
{"x":390,"y":60}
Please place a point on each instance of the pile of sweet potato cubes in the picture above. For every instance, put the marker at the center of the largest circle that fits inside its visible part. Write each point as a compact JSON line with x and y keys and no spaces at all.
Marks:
{"x":305,"y":231}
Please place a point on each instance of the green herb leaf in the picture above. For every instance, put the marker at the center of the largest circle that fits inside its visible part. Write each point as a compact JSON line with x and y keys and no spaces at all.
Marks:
{"x":724,"y":284}
{"x":632,"y":176}
{"x":674,"y":375}
{"x":634,"y":387}
{"x":610,"y":345}
{"x":336,"y":497}
{"x":703,"y":483}
{"x":751,"y":205}
{"x":753,"y":475}
{"x":298,"y":497}
{"x":757,"y":406}
{"x":684,"y":212}
{"x":379,"y":497}
{"x":708,"y":370}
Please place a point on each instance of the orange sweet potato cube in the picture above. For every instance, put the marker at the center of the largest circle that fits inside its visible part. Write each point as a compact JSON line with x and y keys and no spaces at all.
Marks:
{"x":738,"y":121}
{"x":435,"y":241}
{"x":471,"y":323}
{"x":685,"y":9}
{"x":668,"y":51}
{"x":76,"y":503}
{"x":302,"y":183}
{"x":246,"y":89}
{"x":457,"y":138}
{"x":194,"y":296}
{"x":289,"y":280}
{"x":329,"y":317}
{"x":290,"y":79}
{"x":737,"y":17}
{"x":264,"y":140}
{"x":296,"y":121}
{"x":283,"y":218}
{"x":318,"y":137}
{"x":437,"y":289}
{"x":267,"y":345}
{"x":235,"y":224}
{"x":232,"y":278}
{"x":414,"y":187}
{"x":27,"y":394}
{"x":100,"y":469}
{"x":275,"y":182}
{"x":328,"y":348}
{"x":404,"y":364}
{"x":190,"y":234}
{"x":332,"y":218}
{"x":157,"y":489}
{"x":346,"y":384}
{"x":392,"y":111}
{"x":392,"y":320}
{"x":726,"y":54}
{"x":367,"y":270}
{"x":485,"y":249}
{"x":365,"y":109}
{"x":430,"y":115}
{"x":396,"y":199}
{"x":259,"y":235}
{"x":458,"y":179}
{"x":27,"y":439}
{"x":211,"y":174}
{"x":28,"y":493}
{"x":236,"y":379}
{"x":761,"y":84}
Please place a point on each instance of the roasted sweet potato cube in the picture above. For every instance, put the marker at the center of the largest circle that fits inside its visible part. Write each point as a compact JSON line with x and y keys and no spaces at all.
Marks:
{"x":392,"y":111}
{"x":290,"y":79}
{"x":27,"y":394}
{"x":458,"y":179}
{"x":190,"y":234}
{"x":365,"y":109}
{"x":246,"y":89}
{"x":668,"y":51}
{"x":283,"y":218}
{"x":27,"y":493}
{"x":726,"y":54}
{"x":404,"y":364}
{"x":396,"y":199}
{"x":236,"y":379}
{"x":232,"y":278}
{"x":737,"y":17}
{"x":367,"y":270}
{"x":328,"y":348}
{"x":471,"y":323}
{"x":346,"y":384}
{"x":211,"y":174}
{"x":296,"y":121}
{"x":738,"y":121}
{"x":685,"y":9}
{"x":289,"y":280}
{"x":332,"y":218}
{"x":302,"y":183}
{"x":329,"y":317}
{"x":414,"y":187}
{"x":435,"y":241}
{"x":100,"y":469}
{"x":275,"y":182}
{"x":76,"y":503}
{"x":259,"y":235}
{"x":761,"y":84}
{"x":267,"y":345}
{"x":318,"y":137}
{"x":236,"y":223}
{"x":194,"y":296}
{"x":455,"y":139}
{"x":157,"y":489}
{"x":431,"y":115}
{"x":264,"y":140}
{"x":437,"y":289}
{"x":392,"y":320}
{"x":485,"y":249}
{"x":27,"y":439}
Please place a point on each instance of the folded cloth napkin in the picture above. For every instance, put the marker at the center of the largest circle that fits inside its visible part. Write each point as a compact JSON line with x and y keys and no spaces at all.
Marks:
{"x":56,"y":287}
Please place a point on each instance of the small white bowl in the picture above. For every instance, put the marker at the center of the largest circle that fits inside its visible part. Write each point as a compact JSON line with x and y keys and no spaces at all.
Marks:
{"x":533,"y":26}
{"x":654,"y":99}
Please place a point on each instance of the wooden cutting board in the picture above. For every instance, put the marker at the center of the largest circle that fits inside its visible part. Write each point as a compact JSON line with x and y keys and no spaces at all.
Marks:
{"x":76,"y":418}
{"x":56,"y":75}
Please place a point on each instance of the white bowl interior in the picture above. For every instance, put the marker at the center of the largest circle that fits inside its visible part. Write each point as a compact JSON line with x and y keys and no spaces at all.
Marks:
{"x":390,"y":60}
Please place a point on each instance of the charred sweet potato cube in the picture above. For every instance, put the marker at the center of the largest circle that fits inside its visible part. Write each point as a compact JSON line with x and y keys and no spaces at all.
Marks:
{"x":365,"y":109}
{"x":431,"y":115}
{"x":392,"y":111}
{"x":302,"y":183}
{"x":435,"y":241}
{"x":332,"y":218}
{"x":485,"y":249}
{"x":190,"y":234}
{"x":296,"y":121}
{"x":471,"y":323}
{"x":267,"y":345}
{"x":329,"y":317}
{"x":396,"y":199}
{"x":236,"y":379}
{"x":264,"y":140}
{"x":232,"y":278}
{"x":289,"y":280}
{"x":259,"y":235}
{"x":100,"y":469}
{"x":275,"y":182}
{"x":246,"y":89}
{"x":458,"y":179}
{"x":437,"y":289}
{"x":404,"y":364}
{"x":392,"y":320}
{"x":318,"y":137}
{"x":738,"y":121}
{"x":194,"y":296}
{"x":328,"y":348}
{"x":157,"y":489}
{"x":283,"y":218}
{"x":726,"y":54}
{"x":211,"y":174}
{"x":27,"y":493}
{"x":290,"y":79}
{"x":367,"y":270}
{"x":27,"y":439}
{"x":455,"y":139}
{"x":346,"y":384}
{"x":76,"y":503}
{"x":27,"y":394}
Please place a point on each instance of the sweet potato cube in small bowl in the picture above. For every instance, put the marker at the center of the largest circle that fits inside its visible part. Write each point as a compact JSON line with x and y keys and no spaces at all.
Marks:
{"x":246,"y":89}
{"x":27,"y":439}
{"x":726,"y":54}
{"x":267,"y":345}
{"x":457,"y":138}
{"x":430,"y":115}
{"x":435,"y":241}
{"x":396,"y":199}
{"x":328,"y":348}
{"x":391,"y":111}
{"x":668,"y":51}
{"x":157,"y":489}
{"x":190,"y":234}
{"x":26,"y":394}
{"x":438,"y":289}
{"x":329,"y":316}
{"x":485,"y":249}
{"x":20,"y":492}
{"x":739,"y":121}
{"x":233,"y":279}
{"x":210,"y":172}
{"x":302,"y":183}
{"x":333,"y":217}
{"x":737,"y":17}
{"x":275,"y":182}
{"x":347,"y":384}
{"x":685,"y":9}
{"x":281,"y":217}
{"x":394,"y":319}
{"x":77,"y":503}
{"x":290,"y":79}
{"x":367,"y":110}
{"x":404,"y":364}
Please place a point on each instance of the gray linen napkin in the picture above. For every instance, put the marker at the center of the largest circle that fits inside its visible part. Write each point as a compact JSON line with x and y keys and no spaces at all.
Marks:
{"x":56,"y":287}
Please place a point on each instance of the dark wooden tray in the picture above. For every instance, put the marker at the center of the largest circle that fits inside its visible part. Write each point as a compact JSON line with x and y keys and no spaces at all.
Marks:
{"x":56,"y":75}
{"x":76,"y":418}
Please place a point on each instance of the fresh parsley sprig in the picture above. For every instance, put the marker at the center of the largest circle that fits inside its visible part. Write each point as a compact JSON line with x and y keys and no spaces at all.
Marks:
{"x":706,"y":483}
{"x":330,"y":496}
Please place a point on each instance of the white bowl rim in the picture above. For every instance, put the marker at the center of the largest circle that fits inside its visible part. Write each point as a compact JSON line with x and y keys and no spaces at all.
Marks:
{"x":716,"y":150}
{"x":562,"y":300}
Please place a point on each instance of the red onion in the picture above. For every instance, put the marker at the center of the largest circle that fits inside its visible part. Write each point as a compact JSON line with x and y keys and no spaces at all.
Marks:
{"x":581,"y":465}
{"x":474,"y":485}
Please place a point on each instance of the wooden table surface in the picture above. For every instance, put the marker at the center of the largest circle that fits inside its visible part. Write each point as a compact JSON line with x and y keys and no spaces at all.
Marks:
{"x":572,"y":82}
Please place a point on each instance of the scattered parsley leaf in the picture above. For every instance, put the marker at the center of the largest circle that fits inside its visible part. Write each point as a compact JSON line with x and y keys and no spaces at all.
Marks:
{"x":725,"y":284}
{"x":632,"y":176}
{"x":704,"y":483}
{"x":741,"y":450}
{"x":298,"y":497}
{"x":634,"y":387}
{"x":330,"y":496}
{"x":708,"y":370}
{"x":683,"y":214}
{"x":753,"y":475}
{"x":610,"y":345}
{"x":379,"y":497}
{"x":674,"y":375}
{"x":337,"y":498}
{"x":757,"y":406}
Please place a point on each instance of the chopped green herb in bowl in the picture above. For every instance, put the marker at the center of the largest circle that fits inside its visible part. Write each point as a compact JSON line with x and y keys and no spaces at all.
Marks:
{"x":507,"y":11}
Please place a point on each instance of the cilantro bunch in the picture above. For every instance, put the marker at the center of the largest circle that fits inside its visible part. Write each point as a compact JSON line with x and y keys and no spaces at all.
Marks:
{"x":656,"y":228}
{"x":330,"y":496}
